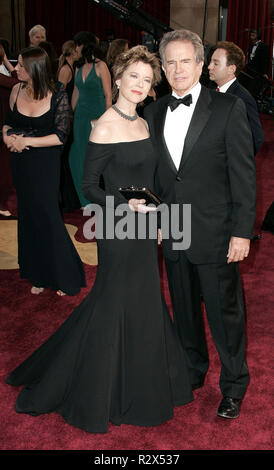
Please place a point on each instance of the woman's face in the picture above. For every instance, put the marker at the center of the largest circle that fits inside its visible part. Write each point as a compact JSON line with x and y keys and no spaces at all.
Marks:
{"x":75,"y":55}
{"x":136,"y":82}
{"x":37,"y":38}
{"x":79,"y":50}
{"x":22,"y":74}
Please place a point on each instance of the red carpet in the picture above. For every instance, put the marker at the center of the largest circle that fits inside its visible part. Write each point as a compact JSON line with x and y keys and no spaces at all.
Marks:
{"x":26,"y":321}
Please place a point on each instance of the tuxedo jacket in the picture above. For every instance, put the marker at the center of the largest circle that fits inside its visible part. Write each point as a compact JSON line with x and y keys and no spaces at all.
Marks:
{"x":216,"y":175}
{"x":252,"y":113}
{"x":261,"y":60}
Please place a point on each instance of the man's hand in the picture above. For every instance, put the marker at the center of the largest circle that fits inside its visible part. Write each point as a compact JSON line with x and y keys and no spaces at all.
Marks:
{"x":238,"y":249}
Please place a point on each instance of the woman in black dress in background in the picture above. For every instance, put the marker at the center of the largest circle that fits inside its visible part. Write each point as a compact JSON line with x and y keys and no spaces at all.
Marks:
{"x":65,"y":77}
{"x":65,"y":74}
{"x":36,"y":128}
{"x":8,"y":78}
{"x":117,"y":358}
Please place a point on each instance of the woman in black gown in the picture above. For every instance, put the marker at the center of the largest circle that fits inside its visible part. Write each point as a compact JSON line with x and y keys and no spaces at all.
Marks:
{"x":65,"y":76}
{"x":36,"y":128}
{"x":117,"y":358}
{"x":65,"y":73}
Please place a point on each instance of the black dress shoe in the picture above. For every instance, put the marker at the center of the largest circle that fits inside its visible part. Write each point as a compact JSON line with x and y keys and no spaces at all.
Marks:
{"x":229,"y":407}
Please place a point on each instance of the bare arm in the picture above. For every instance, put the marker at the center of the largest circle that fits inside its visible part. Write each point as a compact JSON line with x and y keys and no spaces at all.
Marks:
{"x":8,"y":140}
{"x":64,"y":75}
{"x":75,"y":94}
{"x":20,"y":142}
{"x":8,"y":65}
{"x":103,"y":72}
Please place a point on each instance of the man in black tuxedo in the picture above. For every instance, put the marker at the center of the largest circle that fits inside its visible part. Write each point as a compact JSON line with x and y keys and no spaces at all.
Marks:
{"x":226,"y":63}
{"x":258,"y":58}
{"x":206,"y":159}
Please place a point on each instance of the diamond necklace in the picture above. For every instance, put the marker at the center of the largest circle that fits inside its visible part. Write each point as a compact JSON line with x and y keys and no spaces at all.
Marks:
{"x":123,"y":115}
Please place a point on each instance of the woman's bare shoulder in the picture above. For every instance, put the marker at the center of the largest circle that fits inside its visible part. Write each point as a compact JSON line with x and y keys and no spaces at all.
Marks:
{"x":65,"y":71}
{"x":104,"y":129}
{"x":13,"y":94}
{"x":101,"y":67}
{"x":100,"y":134}
{"x":15,"y":88}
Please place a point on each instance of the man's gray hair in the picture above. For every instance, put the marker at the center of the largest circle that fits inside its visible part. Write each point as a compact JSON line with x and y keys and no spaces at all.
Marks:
{"x":183,"y":35}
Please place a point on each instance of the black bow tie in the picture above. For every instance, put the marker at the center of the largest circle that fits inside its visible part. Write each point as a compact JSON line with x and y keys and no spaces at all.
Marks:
{"x":174,"y":102}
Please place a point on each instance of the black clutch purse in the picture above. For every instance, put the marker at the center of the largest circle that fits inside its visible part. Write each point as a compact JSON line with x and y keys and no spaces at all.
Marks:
{"x":26,"y":132}
{"x":140,"y":193}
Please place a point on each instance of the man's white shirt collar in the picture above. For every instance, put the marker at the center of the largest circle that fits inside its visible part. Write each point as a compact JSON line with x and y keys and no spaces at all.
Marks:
{"x":225,"y":87}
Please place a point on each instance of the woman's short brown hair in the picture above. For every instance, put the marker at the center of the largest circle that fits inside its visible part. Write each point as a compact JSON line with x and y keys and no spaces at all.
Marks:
{"x":131,"y":56}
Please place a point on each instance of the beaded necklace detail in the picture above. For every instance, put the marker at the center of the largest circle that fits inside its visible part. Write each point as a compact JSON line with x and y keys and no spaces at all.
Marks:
{"x":123,"y":115}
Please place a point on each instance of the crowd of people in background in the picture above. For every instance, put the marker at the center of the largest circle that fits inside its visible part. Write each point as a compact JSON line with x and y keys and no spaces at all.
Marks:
{"x":84,"y":71}
{"x":79,"y":118}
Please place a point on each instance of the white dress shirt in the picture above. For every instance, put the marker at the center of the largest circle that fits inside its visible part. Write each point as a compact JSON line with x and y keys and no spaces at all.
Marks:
{"x":4,"y":70}
{"x":225,"y":87}
{"x":254,"y":50}
{"x":177,"y":124}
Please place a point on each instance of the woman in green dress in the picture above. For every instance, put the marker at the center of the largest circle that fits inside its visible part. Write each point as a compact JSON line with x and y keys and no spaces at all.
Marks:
{"x":90,"y":99}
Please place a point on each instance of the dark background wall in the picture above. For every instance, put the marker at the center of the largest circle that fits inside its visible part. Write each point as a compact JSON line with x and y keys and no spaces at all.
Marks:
{"x":63,"y":18}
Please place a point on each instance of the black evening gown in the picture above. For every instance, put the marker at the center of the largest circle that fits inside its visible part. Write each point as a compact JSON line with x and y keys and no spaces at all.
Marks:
{"x":117,"y":358}
{"x":46,"y":254}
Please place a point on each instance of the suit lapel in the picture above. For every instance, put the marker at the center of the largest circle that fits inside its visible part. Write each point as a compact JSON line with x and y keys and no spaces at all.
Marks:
{"x":199,"y":119}
{"x":159,"y":131}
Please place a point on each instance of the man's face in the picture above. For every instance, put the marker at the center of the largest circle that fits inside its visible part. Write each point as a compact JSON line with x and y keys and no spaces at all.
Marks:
{"x":37,"y":38}
{"x":181,"y":69}
{"x":253,"y":37}
{"x":219,"y":71}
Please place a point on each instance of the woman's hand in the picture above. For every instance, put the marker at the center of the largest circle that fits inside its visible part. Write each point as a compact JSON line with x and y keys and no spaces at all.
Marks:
{"x":7,"y":63}
{"x":139,"y":205}
{"x":159,"y":236}
{"x":8,"y":140}
{"x":18,"y":144}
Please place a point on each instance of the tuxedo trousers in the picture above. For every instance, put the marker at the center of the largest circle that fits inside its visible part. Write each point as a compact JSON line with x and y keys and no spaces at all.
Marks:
{"x":219,"y":286}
